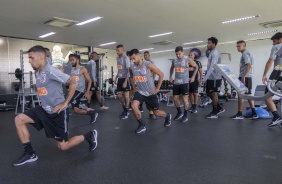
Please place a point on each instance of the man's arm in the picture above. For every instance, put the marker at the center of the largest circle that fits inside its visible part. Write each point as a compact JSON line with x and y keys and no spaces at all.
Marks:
{"x":248,"y":69}
{"x":87,"y":78}
{"x":268,"y":65}
{"x":158,"y":72}
{"x":132,"y":80}
{"x":72,"y":83}
{"x":94,"y":72}
{"x":127,"y":61}
{"x":171,"y":72}
{"x":195,"y":66}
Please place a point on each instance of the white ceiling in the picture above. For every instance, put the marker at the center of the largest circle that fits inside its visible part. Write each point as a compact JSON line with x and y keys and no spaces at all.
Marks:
{"x":130,"y":22}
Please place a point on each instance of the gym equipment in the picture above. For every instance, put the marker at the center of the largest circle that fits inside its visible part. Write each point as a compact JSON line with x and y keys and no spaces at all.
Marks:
{"x":261,"y":112}
{"x":196,"y":52}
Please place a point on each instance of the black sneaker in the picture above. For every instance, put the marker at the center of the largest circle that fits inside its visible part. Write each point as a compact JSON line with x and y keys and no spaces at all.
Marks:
{"x":93,"y":143}
{"x":184,"y":119}
{"x":124,"y":116}
{"x":141,"y":109}
{"x":191,"y":109}
{"x":93,"y":116}
{"x":152,"y":116}
{"x":254,"y":117}
{"x":140,"y":129}
{"x":220,"y":111}
{"x":237,"y":116}
{"x":194,"y":111}
{"x":168,"y":120}
{"x":275,"y":121}
{"x":25,"y":158}
{"x":212,"y":116}
{"x":178,"y":116}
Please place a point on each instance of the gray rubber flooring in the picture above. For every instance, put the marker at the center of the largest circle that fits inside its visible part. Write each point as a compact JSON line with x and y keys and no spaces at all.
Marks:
{"x":201,"y":151}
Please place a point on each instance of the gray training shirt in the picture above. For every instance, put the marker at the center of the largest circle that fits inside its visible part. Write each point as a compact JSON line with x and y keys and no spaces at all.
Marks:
{"x":80,"y":79}
{"x":181,"y":71}
{"x":277,"y":59}
{"x":246,"y":59}
{"x":91,"y":68}
{"x":214,"y":58}
{"x":123,"y":63}
{"x":49,"y":87}
{"x":143,"y":79}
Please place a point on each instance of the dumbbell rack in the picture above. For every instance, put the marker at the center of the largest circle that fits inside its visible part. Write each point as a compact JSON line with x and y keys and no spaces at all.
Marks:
{"x":21,"y":99}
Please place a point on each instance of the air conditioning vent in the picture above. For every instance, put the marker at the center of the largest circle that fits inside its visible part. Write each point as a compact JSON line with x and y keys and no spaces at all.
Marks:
{"x":60,"y":22}
{"x":165,"y":42}
{"x":272,"y":24}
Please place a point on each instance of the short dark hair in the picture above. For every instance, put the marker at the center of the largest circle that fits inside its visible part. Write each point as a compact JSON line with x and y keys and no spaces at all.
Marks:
{"x":134,"y":51}
{"x":37,"y":48}
{"x":127,"y":53}
{"x":241,"y":41}
{"x":119,"y":46}
{"x":47,"y":49}
{"x":146,"y":52}
{"x":179,"y":48}
{"x":277,"y":36}
{"x":213,"y":40}
{"x":75,"y":56}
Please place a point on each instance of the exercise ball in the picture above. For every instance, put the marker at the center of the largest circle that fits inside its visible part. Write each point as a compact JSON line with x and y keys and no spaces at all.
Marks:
{"x":262,"y":113}
{"x":196,"y":52}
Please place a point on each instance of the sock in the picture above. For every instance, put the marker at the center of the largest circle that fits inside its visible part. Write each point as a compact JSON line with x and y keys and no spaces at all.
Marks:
{"x":218,"y":106}
{"x":101,"y":105}
{"x":214,"y":109}
{"x":167,"y":116}
{"x":185,"y":113}
{"x":178,"y":110}
{"x":88,"y":105}
{"x":87,"y":136}
{"x":254,"y":111}
{"x":194,"y":106}
{"x":28,"y":148}
{"x":140,"y":122}
{"x":275,"y":114}
{"x":239,"y":113}
{"x":126,"y":110}
{"x":123,"y":108}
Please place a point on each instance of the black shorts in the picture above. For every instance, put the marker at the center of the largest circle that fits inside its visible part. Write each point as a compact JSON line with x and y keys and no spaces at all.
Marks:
{"x":279,"y":79}
{"x":151,"y":101}
{"x":75,"y":101}
{"x":248,"y":84}
{"x":55,"y":125}
{"x":213,"y":85}
{"x":95,"y":88}
{"x":120,"y":84}
{"x":182,"y":89}
{"x":193,"y":87}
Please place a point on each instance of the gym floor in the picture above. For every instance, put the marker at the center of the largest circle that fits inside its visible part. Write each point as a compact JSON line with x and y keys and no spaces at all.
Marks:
{"x":216,"y":151}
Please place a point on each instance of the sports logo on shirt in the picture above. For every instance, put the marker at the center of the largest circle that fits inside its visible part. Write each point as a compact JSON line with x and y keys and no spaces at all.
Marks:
{"x":42,"y":91}
{"x":42,"y":77}
{"x":143,"y":71}
{"x":75,"y":72}
{"x":140,"y":78}
{"x":183,"y":62}
{"x":119,"y":67}
{"x":179,"y":69}
{"x":76,"y":78}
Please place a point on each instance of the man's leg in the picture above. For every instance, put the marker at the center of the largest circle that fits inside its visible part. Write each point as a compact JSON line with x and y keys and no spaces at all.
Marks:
{"x":252,"y":105}
{"x":177,"y":106}
{"x":93,"y":114}
{"x":137,"y":113}
{"x":272,"y":108}
{"x":191,"y":97}
{"x":162,"y":114}
{"x":186,"y":107}
{"x":89,"y":100}
{"x":98,"y":97}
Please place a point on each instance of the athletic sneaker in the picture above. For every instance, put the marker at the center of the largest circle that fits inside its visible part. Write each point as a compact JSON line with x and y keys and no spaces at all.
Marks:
{"x":104,"y":108}
{"x":275,"y":121}
{"x":184,"y":119}
{"x":94,"y":116}
{"x":168,"y":120}
{"x":124,"y":115}
{"x":141,"y":128}
{"x":254,"y":117}
{"x":93,"y":143}
{"x":141,"y":109}
{"x":152,"y":116}
{"x":191,"y":109}
{"x":220,"y":111}
{"x":25,"y":158}
{"x":194,"y":111}
{"x":178,"y":116}
{"x":212,"y":116}
{"x":237,"y":116}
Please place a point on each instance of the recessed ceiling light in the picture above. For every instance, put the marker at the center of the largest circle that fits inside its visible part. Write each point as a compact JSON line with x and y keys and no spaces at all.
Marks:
{"x":262,"y":32}
{"x":189,"y":43}
{"x":240,"y":19}
{"x":162,"y":34}
{"x":48,"y":34}
{"x":88,"y":21}
{"x":110,"y":43}
{"x":146,"y":49}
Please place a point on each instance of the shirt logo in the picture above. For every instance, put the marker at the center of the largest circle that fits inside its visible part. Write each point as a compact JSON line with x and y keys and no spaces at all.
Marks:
{"x":42,"y":91}
{"x":42,"y":77}
{"x":119,"y":67}
{"x":143,"y":71}
{"x":183,"y":63}
{"x":179,"y":70}
{"x":76,"y":78}
{"x":140,"y":78}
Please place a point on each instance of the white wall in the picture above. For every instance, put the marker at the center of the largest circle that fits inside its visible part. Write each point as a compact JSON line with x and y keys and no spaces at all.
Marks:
{"x":260,"y":50}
